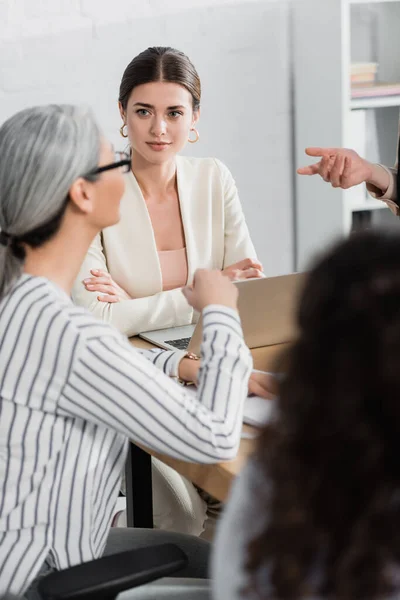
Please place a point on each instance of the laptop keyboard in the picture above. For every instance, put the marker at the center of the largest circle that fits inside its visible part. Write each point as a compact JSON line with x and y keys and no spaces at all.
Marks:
{"x":181,"y":344}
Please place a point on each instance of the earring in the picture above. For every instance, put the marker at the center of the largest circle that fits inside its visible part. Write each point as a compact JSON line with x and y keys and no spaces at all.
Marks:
{"x":196,"y":134}
{"x":121,"y":130}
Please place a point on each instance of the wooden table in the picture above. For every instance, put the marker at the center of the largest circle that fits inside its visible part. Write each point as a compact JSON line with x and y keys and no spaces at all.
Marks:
{"x":215,"y":479}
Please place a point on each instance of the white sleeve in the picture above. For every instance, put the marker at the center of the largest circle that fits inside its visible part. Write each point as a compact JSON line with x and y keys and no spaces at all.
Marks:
{"x":130,"y":317}
{"x":111,"y":384}
{"x":238,"y":244}
{"x":166,"y":360}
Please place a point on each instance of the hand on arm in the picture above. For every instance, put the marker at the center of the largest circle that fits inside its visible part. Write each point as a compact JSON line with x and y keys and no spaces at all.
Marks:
{"x":129,"y":315}
{"x":247,"y":268}
{"x":102,"y":283}
{"x":344,"y":168}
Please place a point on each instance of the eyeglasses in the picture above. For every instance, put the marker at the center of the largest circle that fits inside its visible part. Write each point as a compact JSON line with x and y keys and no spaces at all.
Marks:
{"x":122,"y":161}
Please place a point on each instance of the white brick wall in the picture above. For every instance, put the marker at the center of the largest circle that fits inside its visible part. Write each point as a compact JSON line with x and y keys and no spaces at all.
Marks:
{"x":76,"y":50}
{"x":33,"y":18}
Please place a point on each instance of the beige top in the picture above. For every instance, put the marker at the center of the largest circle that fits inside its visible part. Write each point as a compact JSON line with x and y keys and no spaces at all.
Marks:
{"x":216,"y":236}
{"x":390,"y":196}
{"x":174,"y":270}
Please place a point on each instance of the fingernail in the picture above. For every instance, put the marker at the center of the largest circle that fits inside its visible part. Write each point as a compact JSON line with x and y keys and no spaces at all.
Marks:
{"x":86,"y":280}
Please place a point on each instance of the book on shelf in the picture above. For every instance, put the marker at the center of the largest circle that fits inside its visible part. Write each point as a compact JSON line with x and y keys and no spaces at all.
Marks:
{"x":375,"y":90}
{"x":357,"y":68}
{"x":363,"y":72}
{"x":366,"y":78}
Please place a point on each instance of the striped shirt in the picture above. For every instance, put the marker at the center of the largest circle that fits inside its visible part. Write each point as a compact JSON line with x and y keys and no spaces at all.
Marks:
{"x":72,"y":391}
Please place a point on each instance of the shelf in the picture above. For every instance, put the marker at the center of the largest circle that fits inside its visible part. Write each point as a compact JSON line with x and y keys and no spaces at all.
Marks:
{"x":344,"y":31}
{"x":377,"y":102}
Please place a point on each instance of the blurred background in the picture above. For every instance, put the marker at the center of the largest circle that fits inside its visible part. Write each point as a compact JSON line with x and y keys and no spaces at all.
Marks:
{"x":277,"y":76}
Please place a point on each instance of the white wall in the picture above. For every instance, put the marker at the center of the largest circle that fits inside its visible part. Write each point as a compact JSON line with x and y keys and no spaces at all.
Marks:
{"x":76,"y":50}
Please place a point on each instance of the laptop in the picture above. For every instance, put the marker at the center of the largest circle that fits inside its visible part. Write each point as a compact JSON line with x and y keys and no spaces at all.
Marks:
{"x":267,"y":310}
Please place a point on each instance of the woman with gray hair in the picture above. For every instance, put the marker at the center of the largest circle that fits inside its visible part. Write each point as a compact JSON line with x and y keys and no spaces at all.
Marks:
{"x":72,"y":388}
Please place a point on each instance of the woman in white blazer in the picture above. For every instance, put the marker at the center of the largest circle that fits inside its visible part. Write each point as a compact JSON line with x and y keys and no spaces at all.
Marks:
{"x":171,"y":203}
{"x":178,"y":214}
{"x":215,"y":234}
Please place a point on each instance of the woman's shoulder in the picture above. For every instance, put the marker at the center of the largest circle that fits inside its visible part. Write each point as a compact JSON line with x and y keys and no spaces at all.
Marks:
{"x":235,"y":531}
{"x":32,"y":298}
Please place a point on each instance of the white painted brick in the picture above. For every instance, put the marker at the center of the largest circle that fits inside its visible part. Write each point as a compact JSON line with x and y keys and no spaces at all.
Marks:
{"x":35,"y":18}
{"x":173,"y":6}
{"x":4,"y":9}
{"x":104,"y":11}
{"x":49,"y":8}
{"x":45,"y":61}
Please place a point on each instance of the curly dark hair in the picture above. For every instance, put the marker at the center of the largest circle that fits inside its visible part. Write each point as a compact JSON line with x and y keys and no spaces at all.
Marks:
{"x":330,"y":462}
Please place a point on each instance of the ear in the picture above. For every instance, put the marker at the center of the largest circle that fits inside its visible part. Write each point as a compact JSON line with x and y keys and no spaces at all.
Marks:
{"x":196,"y":117}
{"x":81,"y":196}
{"x":121,"y":112}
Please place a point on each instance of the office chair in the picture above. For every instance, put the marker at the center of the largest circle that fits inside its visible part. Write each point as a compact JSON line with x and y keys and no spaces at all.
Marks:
{"x":106,"y":577}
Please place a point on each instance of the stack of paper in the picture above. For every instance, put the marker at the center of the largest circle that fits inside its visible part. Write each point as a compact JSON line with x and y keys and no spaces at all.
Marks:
{"x":258,"y":411}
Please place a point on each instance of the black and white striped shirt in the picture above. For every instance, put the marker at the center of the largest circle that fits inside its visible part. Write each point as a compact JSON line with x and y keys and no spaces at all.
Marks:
{"x":72,"y":391}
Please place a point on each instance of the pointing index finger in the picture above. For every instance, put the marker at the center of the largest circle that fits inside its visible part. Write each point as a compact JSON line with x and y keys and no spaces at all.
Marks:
{"x":316,"y":151}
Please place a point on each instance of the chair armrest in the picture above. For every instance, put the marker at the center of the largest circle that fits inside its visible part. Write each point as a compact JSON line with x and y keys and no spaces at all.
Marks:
{"x":106,"y":577}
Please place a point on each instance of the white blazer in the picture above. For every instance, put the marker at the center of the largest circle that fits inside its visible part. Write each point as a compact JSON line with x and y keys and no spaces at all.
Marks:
{"x":216,"y":236}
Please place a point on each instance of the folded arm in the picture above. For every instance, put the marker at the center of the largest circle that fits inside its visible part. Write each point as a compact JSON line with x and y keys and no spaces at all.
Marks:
{"x":130,"y":316}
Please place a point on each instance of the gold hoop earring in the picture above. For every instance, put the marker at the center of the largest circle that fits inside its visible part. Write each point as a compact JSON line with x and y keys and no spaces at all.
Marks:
{"x":196,"y":134}
{"x":121,"y":130}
